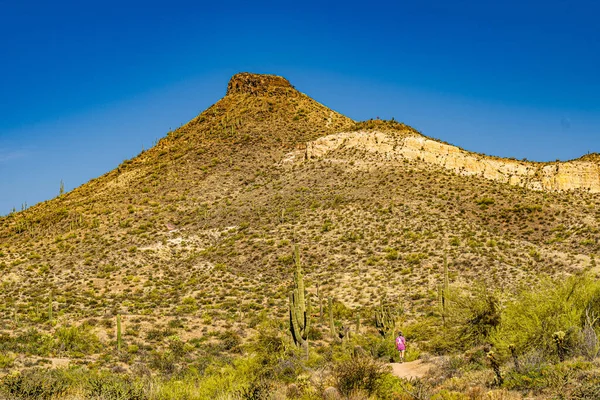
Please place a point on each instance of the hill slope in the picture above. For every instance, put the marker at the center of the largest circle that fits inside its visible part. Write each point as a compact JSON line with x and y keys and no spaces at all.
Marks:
{"x":201,"y":225}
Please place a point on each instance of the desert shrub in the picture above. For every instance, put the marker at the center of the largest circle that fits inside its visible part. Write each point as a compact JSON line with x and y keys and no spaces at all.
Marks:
{"x":472,"y":318}
{"x":114,"y":387}
{"x":158,"y":334}
{"x":393,"y":388}
{"x":29,"y":342}
{"x":221,"y":380}
{"x":315,"y":333}
{"x":163,"y":361}
{"x":377,"y":346}
{"x":557,"y":378}
{"x":288,"y":368}
{"x":6,"y":360}
{"x":588,"y":389}
{"x":177,"y":346}
{"x":76,"y":341}
{"x":230,"y":341}
{"x":530,"y":320}
{"x":588,"y":344}
{"x":36,"y":384}
{"x":359,"y":373}
{"x":340,"y":311}
{"x":257,"y":389}
{"x":456,"y":365}
{"x":592,"y":308}
{"x":484,"y":201}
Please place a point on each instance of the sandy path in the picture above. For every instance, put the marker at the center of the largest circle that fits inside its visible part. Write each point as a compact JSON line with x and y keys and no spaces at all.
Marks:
{"x":413,"y":369}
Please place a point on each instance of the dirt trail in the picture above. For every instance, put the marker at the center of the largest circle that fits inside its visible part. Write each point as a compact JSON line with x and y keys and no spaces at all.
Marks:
{"x":413,"y":369}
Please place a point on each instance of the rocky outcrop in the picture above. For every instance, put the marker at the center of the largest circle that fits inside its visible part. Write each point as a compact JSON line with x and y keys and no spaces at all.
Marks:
{"x":259,"y":84}
{"x":582,"y":174}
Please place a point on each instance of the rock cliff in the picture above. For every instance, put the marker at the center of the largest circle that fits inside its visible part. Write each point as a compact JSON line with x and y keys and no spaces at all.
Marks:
{"x":580,"y":174}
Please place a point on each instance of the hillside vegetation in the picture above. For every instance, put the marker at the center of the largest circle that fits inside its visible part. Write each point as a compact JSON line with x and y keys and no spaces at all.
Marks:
{"x":169,"y":277}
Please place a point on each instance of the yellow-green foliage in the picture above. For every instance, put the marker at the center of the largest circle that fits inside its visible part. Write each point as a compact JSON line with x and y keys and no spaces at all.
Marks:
{"x":470,"y":318}
{"x":535,"y":314}
{"x":473,"y":317}
{"x":359,"y":373}
{"x":6,"y":360}
{"x":76,"y":341}
{"x":217,"y":382}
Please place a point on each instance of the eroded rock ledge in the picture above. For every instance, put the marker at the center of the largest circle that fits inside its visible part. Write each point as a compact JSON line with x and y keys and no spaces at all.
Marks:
{"x":582,"y":174}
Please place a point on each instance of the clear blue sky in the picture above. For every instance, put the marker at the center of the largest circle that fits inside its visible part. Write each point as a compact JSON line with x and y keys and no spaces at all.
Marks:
{"x":87,"y":84}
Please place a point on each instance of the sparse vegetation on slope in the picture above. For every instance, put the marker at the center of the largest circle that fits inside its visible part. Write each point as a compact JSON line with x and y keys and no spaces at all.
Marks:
{"x":187,"y":248}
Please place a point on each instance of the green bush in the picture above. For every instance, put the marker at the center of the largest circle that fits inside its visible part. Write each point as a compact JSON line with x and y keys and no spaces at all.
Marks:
{"x":163,"y":361}
{"x":361,"y":373}
{"x":35,"y":384}
{"x":29,"y":342}
{"x":473,"y":317}
{"x":6,"y":360}
{"x":76,"y":341}
{"x":530,"y":320}
{"x":377,"y":346}
{"x":230,"y":341}
{"x":114,"y":387}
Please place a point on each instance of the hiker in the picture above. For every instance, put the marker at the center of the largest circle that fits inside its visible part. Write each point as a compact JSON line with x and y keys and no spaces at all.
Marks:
{"x":401,"y":345}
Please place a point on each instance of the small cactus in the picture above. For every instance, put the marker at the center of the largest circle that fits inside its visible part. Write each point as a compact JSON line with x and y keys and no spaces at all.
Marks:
{"x":495,"y":364}
{"x":561,"y":346}
{"x":513,"y":352}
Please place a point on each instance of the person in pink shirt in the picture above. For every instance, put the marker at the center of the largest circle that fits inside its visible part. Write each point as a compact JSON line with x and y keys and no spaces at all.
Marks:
{"x":401,"y":345}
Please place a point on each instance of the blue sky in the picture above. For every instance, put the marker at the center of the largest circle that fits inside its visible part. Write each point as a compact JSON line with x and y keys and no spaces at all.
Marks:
{"x":85,"y":85}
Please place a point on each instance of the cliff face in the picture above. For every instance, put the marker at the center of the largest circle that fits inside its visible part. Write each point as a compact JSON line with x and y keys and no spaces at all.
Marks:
{"x":582,"y":174}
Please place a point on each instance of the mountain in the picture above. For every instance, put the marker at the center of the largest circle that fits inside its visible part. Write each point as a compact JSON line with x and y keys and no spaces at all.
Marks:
{"x":201,"y":226}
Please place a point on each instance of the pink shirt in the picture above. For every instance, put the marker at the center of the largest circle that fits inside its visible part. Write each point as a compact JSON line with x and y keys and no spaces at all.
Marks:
{"x":400,"y":343}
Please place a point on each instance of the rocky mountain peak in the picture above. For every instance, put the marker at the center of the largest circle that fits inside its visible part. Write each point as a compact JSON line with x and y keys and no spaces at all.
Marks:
{"x":259,"y":84}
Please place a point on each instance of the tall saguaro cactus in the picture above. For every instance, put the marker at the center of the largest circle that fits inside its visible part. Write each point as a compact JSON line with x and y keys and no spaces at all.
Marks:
{"x":331,"y":323}
{"x":445,"y":291}
{"x":119,"y":339}
{"x":384,"y":319}
{"x":50,"y":308}
{"x":299,"y":307}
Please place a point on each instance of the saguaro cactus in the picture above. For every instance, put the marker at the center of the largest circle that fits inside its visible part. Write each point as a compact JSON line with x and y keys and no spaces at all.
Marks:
{"x":384,"y":319}
{"x":331,"y":323}
{"x":119,"y":339}
{"x":320,"y":303}
{"x":299,"y":307}
{"x":445,"y":291}
{"x":50,"y":309}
